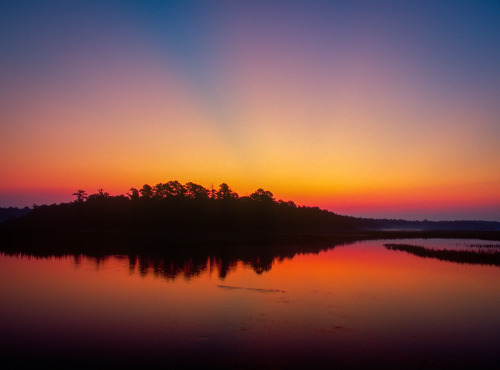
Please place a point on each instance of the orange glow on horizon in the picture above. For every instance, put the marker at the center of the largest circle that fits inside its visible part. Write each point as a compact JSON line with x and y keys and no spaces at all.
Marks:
{"x":358,"y":127}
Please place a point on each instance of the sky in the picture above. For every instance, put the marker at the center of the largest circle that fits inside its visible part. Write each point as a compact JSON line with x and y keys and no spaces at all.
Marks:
{"x":370,"y":108}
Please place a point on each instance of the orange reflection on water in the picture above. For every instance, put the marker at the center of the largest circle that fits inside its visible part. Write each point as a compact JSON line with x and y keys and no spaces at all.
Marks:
{"x":354,"y":301}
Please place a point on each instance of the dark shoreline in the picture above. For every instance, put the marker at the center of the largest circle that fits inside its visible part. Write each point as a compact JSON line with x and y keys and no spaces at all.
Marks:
{"x":145,"y":241}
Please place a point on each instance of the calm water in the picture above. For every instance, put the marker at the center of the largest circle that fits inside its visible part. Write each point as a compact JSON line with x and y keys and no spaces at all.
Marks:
{"x":353,"y":305}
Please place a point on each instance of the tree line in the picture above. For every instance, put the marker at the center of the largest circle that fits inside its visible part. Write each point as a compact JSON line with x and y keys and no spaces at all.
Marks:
{"x":174,"y":189}
{"x":192,"y":208}
{"x":189,"y":207}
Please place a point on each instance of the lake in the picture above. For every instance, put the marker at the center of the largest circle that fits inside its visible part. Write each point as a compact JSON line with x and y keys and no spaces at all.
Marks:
{"x":352,"y":305}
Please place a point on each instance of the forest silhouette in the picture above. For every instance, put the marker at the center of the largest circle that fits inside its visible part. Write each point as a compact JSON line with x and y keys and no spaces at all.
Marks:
{"x":191,"y":209}
{"x":175,"y":207}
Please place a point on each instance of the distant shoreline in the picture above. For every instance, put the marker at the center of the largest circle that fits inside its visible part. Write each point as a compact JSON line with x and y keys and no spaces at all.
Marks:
{"x":20,"y":234}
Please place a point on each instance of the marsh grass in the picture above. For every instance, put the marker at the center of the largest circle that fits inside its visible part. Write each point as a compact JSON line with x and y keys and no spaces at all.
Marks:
{"x":488,"y":256}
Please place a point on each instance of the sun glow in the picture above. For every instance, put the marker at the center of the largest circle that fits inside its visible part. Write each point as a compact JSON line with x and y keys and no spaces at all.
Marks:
{"x":320,"y":114}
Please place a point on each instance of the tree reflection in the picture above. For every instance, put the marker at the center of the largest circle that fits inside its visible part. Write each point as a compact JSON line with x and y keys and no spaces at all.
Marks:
{"x":172,"y":262}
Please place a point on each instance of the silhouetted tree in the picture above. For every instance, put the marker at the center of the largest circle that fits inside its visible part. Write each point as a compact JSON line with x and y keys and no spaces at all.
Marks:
{"x":146,"y":191}
{"x":81,"y":196}
{"x":134,"y":194}
{"x":287,"y":204}
{"x":101,"y":194}
{"x":174,"y":189}
{"x":225,"y":192}
{"x":159,"y":191}
{"x":196,"y":191}
{"x":260,"y":195}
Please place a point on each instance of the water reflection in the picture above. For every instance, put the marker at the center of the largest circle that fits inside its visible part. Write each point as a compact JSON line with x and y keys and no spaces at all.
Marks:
{"x":247,"y":306}
{"x":191,"y":261}
{"x":174,"y":262}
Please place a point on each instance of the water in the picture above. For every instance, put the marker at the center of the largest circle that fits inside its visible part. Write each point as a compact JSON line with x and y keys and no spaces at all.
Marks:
{"x":354,"y":305}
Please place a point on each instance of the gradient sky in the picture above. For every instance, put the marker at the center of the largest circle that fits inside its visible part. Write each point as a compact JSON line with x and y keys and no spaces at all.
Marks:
{"x":370,"y":108}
